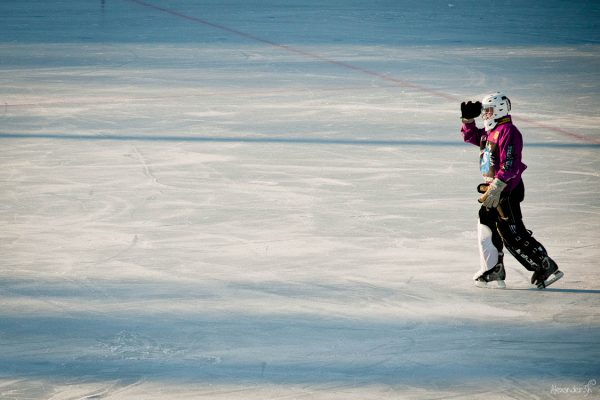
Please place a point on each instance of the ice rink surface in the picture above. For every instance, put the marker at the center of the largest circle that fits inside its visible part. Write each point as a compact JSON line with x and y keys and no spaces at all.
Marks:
{"x":271,"y":200}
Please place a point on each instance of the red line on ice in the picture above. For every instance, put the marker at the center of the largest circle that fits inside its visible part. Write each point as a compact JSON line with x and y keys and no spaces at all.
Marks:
{"x":315,"y":56}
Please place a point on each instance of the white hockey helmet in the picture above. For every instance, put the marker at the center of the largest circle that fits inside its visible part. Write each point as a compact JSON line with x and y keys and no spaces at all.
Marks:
{"x":500,"y":107}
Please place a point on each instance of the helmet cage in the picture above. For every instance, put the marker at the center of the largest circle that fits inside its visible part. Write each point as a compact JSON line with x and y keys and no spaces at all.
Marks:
{"x":500,"y":105}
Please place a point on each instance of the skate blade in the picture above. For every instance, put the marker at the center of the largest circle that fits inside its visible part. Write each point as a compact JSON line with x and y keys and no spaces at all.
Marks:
{"x":491,"y":285}
{"x":551,"y":279}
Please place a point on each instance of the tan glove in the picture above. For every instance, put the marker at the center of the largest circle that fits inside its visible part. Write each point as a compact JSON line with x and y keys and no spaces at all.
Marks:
{"x":491,"y":197}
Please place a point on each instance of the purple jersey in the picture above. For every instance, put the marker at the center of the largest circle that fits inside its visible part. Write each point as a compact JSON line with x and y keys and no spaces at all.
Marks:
{"x":500,"y":151}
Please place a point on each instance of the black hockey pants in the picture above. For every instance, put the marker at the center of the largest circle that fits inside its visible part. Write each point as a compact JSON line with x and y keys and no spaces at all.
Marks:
{"x":508,"y":229}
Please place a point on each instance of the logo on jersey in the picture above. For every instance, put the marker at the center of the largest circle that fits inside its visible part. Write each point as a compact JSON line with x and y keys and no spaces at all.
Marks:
{"x":487,"y":160}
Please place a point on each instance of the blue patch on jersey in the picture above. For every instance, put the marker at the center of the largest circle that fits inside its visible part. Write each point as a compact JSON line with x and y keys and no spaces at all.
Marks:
{"x":485,"y":163}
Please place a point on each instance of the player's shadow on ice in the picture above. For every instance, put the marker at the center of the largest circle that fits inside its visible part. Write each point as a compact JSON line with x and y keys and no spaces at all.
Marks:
{"x":585,"y":291}
{"x":582,"y":291}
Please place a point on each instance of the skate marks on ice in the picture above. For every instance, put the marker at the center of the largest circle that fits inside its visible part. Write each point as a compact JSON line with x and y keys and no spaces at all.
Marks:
{"x":389,"y":79}
{"x":233,"y":265}
{"x":171,"y":291}
{"x":320,"y":282}
{"x":80,"y":389}
{"x":204,"y":341}
{"x":275,"y":140}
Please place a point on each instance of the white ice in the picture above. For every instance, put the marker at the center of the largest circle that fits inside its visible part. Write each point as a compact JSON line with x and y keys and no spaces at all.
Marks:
{"x":271,"y":199}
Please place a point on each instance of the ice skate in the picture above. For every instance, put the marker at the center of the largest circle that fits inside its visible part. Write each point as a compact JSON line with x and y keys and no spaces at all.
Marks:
{"x":547,"y":274}
{"x":492,"y":279}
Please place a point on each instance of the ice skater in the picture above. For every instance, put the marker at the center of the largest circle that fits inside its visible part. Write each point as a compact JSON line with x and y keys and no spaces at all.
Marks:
{"x":500,"y":219}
